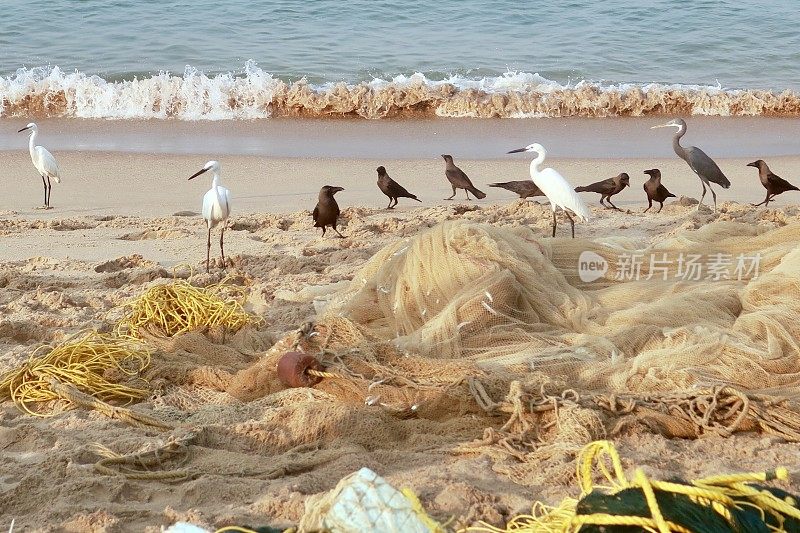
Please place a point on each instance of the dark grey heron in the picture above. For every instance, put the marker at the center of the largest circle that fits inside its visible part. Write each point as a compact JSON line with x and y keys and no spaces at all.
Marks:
{"x":702,"y":165}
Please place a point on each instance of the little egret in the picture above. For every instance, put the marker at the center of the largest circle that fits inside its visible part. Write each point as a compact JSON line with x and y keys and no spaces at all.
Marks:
{"x":774,"y":184}
{"x":654,"y":190}
{"x":459,"y":180}
{"x":702,"y":165}
{"x":44,"y":162}
{"x":555,"y":188}
{"x":607,"y":188}
{"x":216,"y":208}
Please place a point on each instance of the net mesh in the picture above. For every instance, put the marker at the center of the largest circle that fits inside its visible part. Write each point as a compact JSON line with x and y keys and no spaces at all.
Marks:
{"x":484,"y":340}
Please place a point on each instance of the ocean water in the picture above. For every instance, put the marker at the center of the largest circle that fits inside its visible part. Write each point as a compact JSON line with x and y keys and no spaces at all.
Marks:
{"x":254,"y":59}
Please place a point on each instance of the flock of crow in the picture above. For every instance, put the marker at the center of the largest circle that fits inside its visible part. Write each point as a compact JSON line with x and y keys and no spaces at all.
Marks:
{"x":326,"y":212}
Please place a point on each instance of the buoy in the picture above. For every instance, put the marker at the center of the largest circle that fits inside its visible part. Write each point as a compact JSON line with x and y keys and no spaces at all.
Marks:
{"x":293,"y":369}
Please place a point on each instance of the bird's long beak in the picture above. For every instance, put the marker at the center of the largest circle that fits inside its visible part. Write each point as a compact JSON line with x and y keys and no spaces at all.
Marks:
{"x":517,"y":151}
{"x":753,"y":164}
{"x":662,"y":126}
{"x":23,"y":129}
{"x":198,"y":173}
{"x":339,"y":189}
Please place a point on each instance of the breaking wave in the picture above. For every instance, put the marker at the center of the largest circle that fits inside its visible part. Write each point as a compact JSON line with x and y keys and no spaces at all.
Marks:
{"x":51,"y":92}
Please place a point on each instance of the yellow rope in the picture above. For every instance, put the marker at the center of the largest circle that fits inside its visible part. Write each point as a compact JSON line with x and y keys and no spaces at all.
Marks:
{"x":432,"y":525}
{"x":179,"y":307}
{"x":83,"y":361}
{"x":652,"y":503}
{"x":592,"y":455}
{"x":602,"y":519}
{"x":719,"y":493}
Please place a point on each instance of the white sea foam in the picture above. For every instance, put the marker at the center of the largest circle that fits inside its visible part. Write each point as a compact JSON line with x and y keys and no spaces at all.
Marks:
{"x":254,"y":93}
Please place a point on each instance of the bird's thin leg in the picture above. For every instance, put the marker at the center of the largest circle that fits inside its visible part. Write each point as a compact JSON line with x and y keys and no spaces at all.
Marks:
{"x":702,"y":195}
{"x":44,"y":182}
{"x":337,"y":232}
{"x":612,"y":205}
{"x":660,"y":207}
{"x":601,"y":202}
{"x":49,"y":191}
{"x":453,"y":196}
{"x":713,"y":195}
{"x":390,"y":203}
{"x":467,"y":193}
{"x":572,"y":223}
{"x":649,"y":205}
{"x":208,"y":250}
{"x":323,"y":230}
{"x":766,"y":201}
{"x":222,"y":246}
{"x":554,"y":222}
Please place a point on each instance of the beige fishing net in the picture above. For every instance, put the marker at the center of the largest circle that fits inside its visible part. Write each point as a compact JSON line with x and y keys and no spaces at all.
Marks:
{"x":504,"y":300}
{"x":490,"y":340}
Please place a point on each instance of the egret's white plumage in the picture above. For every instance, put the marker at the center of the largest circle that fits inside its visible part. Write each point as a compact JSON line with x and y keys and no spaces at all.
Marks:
{"x":44,"y":162}
{"x":216,"y":207}
{"x":560,"y":193}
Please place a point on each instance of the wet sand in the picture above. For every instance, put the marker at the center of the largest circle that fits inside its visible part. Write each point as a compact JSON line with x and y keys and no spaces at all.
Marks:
{"x":599,"y":138}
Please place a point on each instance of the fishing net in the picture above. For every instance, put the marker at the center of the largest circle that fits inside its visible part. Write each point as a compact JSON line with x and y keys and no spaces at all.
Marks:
{"x":490,"y":336}
{"x":472,"y":339}
{"x":470,"y":321}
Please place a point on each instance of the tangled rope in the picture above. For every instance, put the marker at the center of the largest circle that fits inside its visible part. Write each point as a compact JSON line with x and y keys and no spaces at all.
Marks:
{"x":721,"y":410}
{"x":151,"y":465}
{"x":84,"y":361}
{"x":718,"y":503}
{"x":178,"y":307}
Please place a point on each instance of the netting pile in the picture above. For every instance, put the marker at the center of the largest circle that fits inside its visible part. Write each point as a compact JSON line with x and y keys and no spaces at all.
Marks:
{"x":502,"y":299}
{"x":471,"y":318}
{"x":478,"y":339}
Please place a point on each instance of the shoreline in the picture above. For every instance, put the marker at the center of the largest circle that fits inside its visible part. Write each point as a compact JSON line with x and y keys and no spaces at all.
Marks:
{"x":591,"y":138}
{"x":131,"y":184}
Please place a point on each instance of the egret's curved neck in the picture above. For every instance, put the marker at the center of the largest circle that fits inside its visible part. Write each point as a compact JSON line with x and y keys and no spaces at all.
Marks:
{"x":215,"y":180}
{"x":537,"y":161}
{"x":32,"y":142}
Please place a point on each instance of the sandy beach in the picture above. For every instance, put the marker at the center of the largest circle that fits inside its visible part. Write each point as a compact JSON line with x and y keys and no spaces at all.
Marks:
{"x":124,"y":216}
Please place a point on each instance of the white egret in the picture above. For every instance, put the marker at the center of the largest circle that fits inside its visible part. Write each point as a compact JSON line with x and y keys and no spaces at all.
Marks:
{"x":216,"y":208}
{"x":555,"y":188}
{"x":44,"y":162}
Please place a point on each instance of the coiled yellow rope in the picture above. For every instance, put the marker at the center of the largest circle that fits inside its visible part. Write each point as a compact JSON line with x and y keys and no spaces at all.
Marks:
{"x":84,"y":361}
{"x":720,"y":493}
{"x":178,"y":307}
